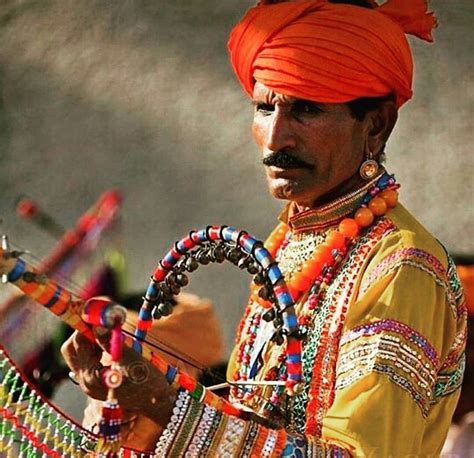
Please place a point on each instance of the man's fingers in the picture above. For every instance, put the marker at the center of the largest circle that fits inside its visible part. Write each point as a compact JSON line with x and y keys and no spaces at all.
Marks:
{"x":91,"y":382}
{"x":82,"y":356}
{"x":69,"y":352}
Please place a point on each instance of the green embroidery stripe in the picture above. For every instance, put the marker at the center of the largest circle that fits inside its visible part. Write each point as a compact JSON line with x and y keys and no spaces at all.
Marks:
{"x":449,"y":382}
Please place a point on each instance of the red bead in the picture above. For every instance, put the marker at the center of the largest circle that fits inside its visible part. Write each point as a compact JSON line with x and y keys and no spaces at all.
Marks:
{"x":323,"y":254}
{"x":26,"y":208}
{"x":302,"y":282}
{"x":312,"y":267}
{"x":336,"y":240}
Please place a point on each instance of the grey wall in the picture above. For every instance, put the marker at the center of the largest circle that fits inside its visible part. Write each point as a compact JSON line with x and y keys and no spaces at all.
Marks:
{"x":139,"y":95}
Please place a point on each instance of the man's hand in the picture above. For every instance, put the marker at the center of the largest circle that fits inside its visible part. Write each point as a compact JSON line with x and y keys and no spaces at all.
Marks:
{"x":144,"y":389}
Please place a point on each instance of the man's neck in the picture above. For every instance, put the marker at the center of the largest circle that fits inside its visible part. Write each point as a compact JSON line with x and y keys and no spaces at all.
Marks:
{"x":352,"y":184}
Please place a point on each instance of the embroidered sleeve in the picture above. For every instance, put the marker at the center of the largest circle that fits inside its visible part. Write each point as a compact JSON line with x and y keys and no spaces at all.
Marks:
{"x":393,"y":349}
{"x":396,"y":348}
{"x":196,"y":430}
{"x":401,"y":357}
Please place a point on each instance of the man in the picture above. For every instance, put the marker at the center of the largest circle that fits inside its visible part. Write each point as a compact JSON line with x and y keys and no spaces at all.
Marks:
{"x":377,"y":297}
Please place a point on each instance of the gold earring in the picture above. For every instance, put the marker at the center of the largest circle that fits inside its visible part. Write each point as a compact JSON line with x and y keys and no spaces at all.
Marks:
{"x":369,"y":167}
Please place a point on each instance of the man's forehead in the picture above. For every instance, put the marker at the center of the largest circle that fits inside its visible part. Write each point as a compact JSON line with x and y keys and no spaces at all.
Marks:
{"x":262,"y":92}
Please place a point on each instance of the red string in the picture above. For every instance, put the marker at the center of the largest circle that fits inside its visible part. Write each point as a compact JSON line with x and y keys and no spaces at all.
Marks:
{"x":35,"y":441}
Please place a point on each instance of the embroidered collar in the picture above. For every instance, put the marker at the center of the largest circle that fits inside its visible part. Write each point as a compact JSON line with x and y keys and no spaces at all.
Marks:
{"x":320,"y":218}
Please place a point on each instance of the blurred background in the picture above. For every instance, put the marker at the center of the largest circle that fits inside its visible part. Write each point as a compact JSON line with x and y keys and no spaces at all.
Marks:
{"x":139,"y":96}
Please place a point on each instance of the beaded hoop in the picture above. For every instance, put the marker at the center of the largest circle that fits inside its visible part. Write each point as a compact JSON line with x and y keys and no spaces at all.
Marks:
{"x":217,"y":244}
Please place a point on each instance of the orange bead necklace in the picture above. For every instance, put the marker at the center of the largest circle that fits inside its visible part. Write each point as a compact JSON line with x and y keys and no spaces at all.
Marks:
{"x":318,"y":269}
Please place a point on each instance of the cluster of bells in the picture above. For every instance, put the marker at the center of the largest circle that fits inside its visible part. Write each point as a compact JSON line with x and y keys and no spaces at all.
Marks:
{"x":215,"y":252}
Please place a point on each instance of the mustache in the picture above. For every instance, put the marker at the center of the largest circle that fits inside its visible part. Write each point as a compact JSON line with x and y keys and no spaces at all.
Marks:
{"x":285,"y":160}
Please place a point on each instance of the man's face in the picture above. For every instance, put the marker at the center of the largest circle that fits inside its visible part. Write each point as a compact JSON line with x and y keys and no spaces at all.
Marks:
{"x":309,"y":149}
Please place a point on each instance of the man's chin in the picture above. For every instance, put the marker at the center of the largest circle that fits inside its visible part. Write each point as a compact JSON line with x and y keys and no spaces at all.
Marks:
{"x":285,"y":189}
{"x":292,"y":190}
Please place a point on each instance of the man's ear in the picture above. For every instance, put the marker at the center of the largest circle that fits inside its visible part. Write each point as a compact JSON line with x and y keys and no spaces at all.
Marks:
{"x":382,"y":121}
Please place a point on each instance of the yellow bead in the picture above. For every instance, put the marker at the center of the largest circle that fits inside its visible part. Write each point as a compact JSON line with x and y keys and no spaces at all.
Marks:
{"x":364,"y":217}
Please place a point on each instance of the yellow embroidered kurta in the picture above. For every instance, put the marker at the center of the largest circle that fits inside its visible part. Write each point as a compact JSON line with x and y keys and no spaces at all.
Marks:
{"x":383,"y":356}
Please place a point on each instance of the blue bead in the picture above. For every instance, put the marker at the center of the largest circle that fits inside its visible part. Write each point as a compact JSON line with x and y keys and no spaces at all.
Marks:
{"x":288,"y":451}
{"x":290,"y":321}
{"x":181,"y":246}
{"x":227,"y":233}
{"x":202,"y":235}
{"x":144,"y":315}
{"x":293,"y":358}
{"x":137,"y":346}
{"x":171,"y":374}
{"x":383,"y":180}
{"x":274,"y":274}
{"x":17,"y":271}
{"x":152,"y":291}
{"x":248,"y":244}
{"x":294,"y":377}
{"x":261,"y":254}
{"x":170,"y":259}
{"x":140,"y":334}
{"x":284,"y":300}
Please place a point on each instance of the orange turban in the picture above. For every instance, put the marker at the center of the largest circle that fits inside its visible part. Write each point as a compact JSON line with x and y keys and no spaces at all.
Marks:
{"x":328,"y":52}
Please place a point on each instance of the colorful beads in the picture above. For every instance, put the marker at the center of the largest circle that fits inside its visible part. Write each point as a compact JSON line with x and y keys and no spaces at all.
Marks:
{"x":315,"y":276}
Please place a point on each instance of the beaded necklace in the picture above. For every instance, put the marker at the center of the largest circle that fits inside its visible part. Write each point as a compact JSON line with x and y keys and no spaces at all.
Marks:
{"x":314,"y":275}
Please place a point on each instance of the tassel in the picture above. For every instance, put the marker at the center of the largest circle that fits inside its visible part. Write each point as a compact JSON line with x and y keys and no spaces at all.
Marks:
{"x":109,"y":429}
{"x":412,"y":16}
{"x":111,"y":421}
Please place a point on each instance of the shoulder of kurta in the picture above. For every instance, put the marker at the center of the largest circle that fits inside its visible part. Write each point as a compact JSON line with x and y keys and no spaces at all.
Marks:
{"x":411,"y":245}
{"x":408,"y":319}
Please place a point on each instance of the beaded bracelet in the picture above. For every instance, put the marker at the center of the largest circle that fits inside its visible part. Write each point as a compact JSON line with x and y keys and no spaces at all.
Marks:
{"x":196,"y":430}
{"x":269,"y":444}
{"x":232,"y":437}
{"x":168,"y":435}
{"x":209,"y":439}
{"x":203,"y":431}
{"x":250,"y":440}
{"x":186,"y":430}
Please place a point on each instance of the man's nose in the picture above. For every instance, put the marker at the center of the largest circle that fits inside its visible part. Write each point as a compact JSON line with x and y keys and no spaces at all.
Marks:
{"x":280,"y":134}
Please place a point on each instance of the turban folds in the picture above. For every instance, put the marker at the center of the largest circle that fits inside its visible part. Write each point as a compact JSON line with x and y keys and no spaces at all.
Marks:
{"x":328,"y":52}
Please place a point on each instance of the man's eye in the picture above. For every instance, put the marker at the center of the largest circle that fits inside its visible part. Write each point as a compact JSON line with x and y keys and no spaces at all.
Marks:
{"x":264,"y":108}
{"x":306,"y":107}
